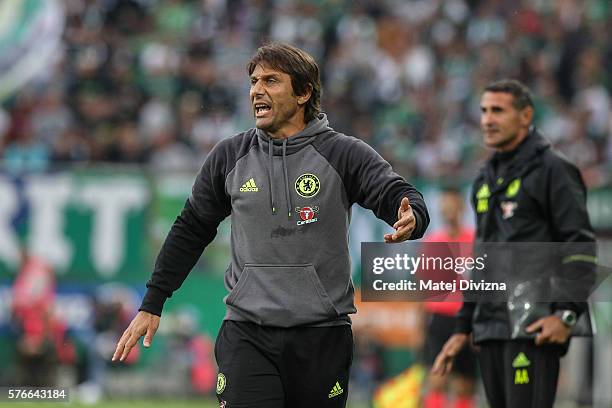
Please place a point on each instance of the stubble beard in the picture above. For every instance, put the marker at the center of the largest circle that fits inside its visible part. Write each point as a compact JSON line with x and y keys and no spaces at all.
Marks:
{"x":503,"y":142}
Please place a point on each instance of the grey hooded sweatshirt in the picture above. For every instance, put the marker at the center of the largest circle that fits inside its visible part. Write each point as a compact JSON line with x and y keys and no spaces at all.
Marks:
{"x":290,"y":206}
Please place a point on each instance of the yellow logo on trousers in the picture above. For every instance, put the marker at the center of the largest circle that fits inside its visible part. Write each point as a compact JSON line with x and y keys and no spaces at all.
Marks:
{"x":336,"y":390}
{"x":521,"y":376}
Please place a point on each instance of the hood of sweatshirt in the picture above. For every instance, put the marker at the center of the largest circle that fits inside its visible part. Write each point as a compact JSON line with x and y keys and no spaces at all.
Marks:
{"x":285,"y":271}
{"x":288,"y":146}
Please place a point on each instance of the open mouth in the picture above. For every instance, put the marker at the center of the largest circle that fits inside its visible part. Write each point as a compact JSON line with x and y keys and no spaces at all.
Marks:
{"x":261,"y":109}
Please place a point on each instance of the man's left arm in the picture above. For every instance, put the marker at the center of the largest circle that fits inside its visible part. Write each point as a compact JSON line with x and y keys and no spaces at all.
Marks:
{"x":392,"y":199}
{"x":571,"y":226}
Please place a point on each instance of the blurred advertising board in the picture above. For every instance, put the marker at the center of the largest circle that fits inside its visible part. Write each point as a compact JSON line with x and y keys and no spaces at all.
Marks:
{"x":89,"y":226}
{"x":102,"y":227}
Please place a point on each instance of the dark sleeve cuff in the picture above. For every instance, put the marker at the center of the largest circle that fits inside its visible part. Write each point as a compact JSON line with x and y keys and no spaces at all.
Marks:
{"x":576,"y":307}
{"x":421,"y":217}
{"x":153,"y":301}
{"x":463,"y":326}
{"x":463,"y":320}
{"x":418,"y":226}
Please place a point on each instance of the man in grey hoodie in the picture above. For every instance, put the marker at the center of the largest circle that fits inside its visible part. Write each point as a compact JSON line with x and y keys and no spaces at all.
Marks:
{"x":288,"y":186}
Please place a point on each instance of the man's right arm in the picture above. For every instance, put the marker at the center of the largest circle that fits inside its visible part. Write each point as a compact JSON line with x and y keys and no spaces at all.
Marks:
{"x":180,"y":252}
{"x":193,"y":230}
{"x":370,"y":181}
{"x":570,"y":224}
{"x":464,"y":318}
{"x":444,"y":360}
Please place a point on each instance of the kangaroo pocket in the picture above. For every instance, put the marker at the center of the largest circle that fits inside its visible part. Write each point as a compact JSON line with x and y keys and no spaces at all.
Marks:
{"x":281,"y":295}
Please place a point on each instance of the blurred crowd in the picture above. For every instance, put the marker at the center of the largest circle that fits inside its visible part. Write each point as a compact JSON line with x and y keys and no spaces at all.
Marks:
{"x":47,"y":351}
{"x":161,"y":81}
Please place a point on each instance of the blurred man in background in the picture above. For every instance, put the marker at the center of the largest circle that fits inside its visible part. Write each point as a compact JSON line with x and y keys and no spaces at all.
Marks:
{"x":441,"y":315}
{"x":525,"y":193}
{"x":289,"y":185}
{"x":42,"y":341}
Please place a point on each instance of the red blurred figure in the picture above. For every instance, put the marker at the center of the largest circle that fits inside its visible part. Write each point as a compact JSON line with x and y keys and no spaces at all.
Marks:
{"x":41,"y":344}
{"x":440,"y":322}
{"x":203,"y":370}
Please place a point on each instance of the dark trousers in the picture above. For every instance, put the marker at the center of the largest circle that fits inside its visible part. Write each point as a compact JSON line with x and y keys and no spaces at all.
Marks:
{"x":269,"y":367}
{"x":519,"y":374}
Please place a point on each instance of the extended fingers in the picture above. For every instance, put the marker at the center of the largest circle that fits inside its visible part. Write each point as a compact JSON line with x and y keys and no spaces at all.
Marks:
{"x":443,"y":364}
{"x":535,"y":326}
{"x":121,"y":345}
{"x":143,"y":324}
{"x":151,"y":330}
{"x":437,"y":365}
{"x":399,"y":236}
{"x":131,"y":342}
{"x":127,"y":342}
{"x":406,"y":219}
{"x":403,"y":233}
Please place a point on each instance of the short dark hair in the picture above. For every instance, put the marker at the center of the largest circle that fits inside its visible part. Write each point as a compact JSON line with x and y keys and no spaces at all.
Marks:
{"x":520,"y":92}
{"x":299,"y":65}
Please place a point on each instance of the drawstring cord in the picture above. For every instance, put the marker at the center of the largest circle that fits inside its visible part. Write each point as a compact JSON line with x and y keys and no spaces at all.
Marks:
{"x":287,"y":192}
{"x":285,"y":176}
{"x":271,"y":176}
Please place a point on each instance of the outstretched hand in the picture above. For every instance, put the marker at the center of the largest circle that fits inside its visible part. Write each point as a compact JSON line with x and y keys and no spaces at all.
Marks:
{"x":405,"y":223}
{"x":143,"y":324}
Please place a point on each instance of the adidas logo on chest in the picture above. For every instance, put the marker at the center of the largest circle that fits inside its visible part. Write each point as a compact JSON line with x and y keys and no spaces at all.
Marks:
{"x":249,"y":186}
